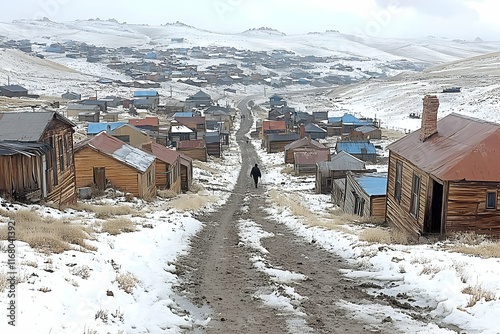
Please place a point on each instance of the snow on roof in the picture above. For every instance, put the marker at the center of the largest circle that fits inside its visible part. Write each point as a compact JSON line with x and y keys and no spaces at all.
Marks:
{"x":180,"y":129}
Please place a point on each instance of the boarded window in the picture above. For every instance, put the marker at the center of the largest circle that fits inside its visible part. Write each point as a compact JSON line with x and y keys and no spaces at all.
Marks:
{"x":68,"y":151}
{"x":61,"y":154}
{"x":415,"y":196}
{"x":491,"y":200}
{"x":399,"y":181}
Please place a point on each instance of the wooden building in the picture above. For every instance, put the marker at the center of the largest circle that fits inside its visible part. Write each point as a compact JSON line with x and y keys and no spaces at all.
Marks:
{"x":445,"y":178}
{"x":104,"y":159}
{"x":361,"y":149}
{"x":178,"y":132}
{"x":168,"y":166}
{"x":13,"y":91}
{"x":131,"y":135}
{"x":305,"y":160}
{"x":213,"y":143}
{"x":148,"y":123}
{"x":186,"y":172}
{"x":305,"y":142}
{"x":274,"y":143}
{"x":365,"y":195}
{"x":336,"y":168}
{"x":366,"y":132}
{"x":37,"y":171}
{"x":196,"y":123}
{"x":195,"y":149}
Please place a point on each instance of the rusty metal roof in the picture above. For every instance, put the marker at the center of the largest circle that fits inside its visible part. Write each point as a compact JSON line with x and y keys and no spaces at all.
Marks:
{"x":120,"y":151}
{"x":273,"y":125}
{"x":306,"y":141}
{"x":464,"y":148}
{"x":151,"y":121}
{"x":161,"y":152}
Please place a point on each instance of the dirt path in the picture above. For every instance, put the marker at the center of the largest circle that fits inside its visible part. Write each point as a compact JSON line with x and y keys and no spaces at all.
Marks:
{"x":219,"y":274}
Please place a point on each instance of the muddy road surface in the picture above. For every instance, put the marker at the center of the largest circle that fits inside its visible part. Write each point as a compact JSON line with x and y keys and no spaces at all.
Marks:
{"x":221,"y":275}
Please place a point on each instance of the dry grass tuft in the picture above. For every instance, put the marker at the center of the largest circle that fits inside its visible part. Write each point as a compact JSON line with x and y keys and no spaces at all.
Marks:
{"x":196,"y":188}
{"x":106,"y":211}
{"x":400,"y":237}
{"x":118,"y":226}
{"x":376,"y":235}
{"x":288,"y":170}
{"x":3,"y":282}
{"x":468,"y":238}
{"x":48,"y":235}
{"x":486,"y":251}
{"x":185,"y":202}
{"x":477,"y":293}
{"x":167,"y":193}
{"x":127,"y":282}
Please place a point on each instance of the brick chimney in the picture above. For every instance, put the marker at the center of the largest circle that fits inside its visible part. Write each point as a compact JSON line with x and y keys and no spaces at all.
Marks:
{"x":302,"y":131}
{"x":429,"y":117}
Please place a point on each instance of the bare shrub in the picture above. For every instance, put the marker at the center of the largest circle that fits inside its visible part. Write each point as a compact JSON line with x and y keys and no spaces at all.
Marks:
{"x":468,"y":238}
{"x":103,"y":315}
{"x":48,"y":235}
{"x":186,"y":202}
{"x":429,"y":269}
{"x":119,"y":315}
{"x":118,"y":226}
{"x":127,"y":281}
{"x":81,"y":271}
{"x":400,"y":237}
{"x":376,"y":235}
{"x":477,"y":293}
{"x":196,"y":187}
{"x":106,"y":211}
{"x":167,"y":193}
{"x":3,"y":282}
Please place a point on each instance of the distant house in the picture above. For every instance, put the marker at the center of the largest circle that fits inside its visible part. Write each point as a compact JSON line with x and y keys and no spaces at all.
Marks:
{"x":74,"y":110}
{"x":71,"y":96}
{"x":445,"y":178}
{"x":365,"y":195}
{"x":314,"y":131}
{"x":361,"y":149}
{"x":180,"y":132}
{"x":148,"y":123}
{"x":197,"y":124}
{"x":168,"y":167}
{"x":112,"y":101}
{"x":305,"y":160}
{"x":95,"y":128}
{"x":365,"y":132}
{"x":100,"y":103}
{"x":302,"y":143}
{"x":104,"y":159}
{"x":131,"y":135}
{"x":36,"y":157}
{"x":336,"y":168}
{"x":13,"y":91}
{"x":198,"y":100}
{"x":195,"y":149}
{"x":276,"y":101}
{"x":270,"y":127}
{"x":149,"y":99}
{"x":213,"y":143}
{"x":275,"y":142}
{"x":344,"y":125}
{"x":91,"y":116}
{"x":320,"y":115}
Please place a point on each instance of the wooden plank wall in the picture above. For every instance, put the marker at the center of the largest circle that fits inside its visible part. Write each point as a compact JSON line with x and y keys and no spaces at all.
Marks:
{"x":195,"y":153}
{"x":213,"y":149}
{"x":398,"y":214}
{"x":467,"y":208}
{"x":378,"y":207}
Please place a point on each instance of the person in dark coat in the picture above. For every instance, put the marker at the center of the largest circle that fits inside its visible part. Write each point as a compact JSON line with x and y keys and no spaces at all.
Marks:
{"x":255,"y":173}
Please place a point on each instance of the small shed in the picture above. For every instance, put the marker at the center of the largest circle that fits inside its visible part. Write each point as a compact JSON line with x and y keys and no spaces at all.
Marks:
{"x":186,"y":172}
{"x":336,"y":168}
{"x":195,"y":149}
{"x":13,"y":91}
{"x":365,"y":194}
{"x":74,"y":110}
{"x":104,"y":159}
{"x":361,"y":149}
{"x":305,"y":160}
{"x":180,"y":132}
{"x":213,"y":142}
{"x":92,"y":116}
{"x":71,"y":96}
{"x":365,"y":132}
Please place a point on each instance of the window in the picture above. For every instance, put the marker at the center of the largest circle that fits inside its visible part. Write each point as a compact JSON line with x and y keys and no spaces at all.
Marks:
{"x":491,"y":200}
{"x":359,"y":204}
{"x":68,"y":151}
{"x":415,"y":196}
{"x":61,"y":154}
{"x":399,"y":181}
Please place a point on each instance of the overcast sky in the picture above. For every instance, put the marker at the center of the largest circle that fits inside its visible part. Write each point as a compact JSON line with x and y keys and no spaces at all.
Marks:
{"x":462,"y":19}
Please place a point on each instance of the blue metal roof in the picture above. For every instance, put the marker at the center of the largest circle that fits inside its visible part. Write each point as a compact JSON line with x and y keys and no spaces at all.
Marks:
{"x":146,"y":93}
{"x":95,"y":128}
{"x":184,"y":114}
{"x":373,"y":185}
{"x":354,"y":147}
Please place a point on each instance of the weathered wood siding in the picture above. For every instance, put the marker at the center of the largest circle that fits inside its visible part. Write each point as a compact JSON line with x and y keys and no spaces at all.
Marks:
{"x":303,"y":169}
{"x":466,"y":208}
{"x":213,"y":149}
{"x":378,"y":207}
{"x":21,"y":177}
{"x":195,"y":153}
{"x":276,"y":146}
{"x":136,"y":138}
{"x":351,"y":188}
{"x":120,"y":175}
{"x":60,"y":172}
{"x":398,"y":214}
{"x":172,"y":171}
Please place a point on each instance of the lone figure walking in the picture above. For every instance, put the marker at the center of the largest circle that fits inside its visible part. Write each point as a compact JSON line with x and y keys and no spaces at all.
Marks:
{"x":255,"y":173}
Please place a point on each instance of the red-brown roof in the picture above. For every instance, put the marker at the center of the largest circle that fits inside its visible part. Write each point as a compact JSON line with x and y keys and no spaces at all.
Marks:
{"x":306,"y":141}
{"x":273,"y":125}
{"x":191,"y":144}
{"x":191,"y":120}
{"x":152,"y":121}
{"x":161,"y":152}
{"x":310,"y":157}
{"x":464,"y":148}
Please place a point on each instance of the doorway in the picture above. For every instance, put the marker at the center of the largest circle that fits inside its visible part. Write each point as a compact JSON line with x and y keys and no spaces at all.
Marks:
{"x":433,"y":225}
{"x":100,"y":177}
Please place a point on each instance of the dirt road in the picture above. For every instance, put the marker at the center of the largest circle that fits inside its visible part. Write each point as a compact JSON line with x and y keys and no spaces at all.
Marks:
{"x":219,"y":273}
